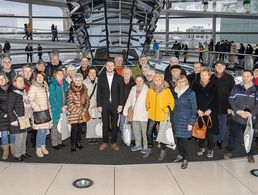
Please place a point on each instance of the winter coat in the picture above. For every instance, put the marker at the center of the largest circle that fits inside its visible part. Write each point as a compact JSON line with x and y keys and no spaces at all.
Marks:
{"x":140,"y":112}
{"x":224,"y":87}
{"x":3,"y":109}
{"x":242,"y":99}
{"x":184,"y":113}
{"x":15,"y":108}
{"x":93,"y":100}
{"x":206,"y":98}
{"x":56,"y":98}
{"x":39,"y":100}
{"x":84,"y":73}
{"x":77,"y":103}
{"x":127,"y":88}
{"x":50,"y":69}
{"x":158,"y":104}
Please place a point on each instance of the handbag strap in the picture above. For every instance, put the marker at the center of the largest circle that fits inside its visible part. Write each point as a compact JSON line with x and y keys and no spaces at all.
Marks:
{"x":203,"y":122}
{"x":93,"y":91}
{"x":209,"y":122}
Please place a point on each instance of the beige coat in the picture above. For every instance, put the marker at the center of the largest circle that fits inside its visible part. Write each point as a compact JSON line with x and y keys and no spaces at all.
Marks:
{"x":93,"y":101}
{"x":38,"y":96}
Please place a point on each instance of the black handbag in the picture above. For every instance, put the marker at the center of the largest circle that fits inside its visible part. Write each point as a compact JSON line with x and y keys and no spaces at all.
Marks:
{"x":41,"y":117}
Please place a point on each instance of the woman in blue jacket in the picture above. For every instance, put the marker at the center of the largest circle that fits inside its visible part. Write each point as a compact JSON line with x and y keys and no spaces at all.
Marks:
{"x":184,"y":116}
{"x":58,"y":88}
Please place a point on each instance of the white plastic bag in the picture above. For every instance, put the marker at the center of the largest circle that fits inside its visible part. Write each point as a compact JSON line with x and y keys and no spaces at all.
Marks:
{"x":248,"y":135}
{"x":127,"y":136}
{"x":99,"y":129}
{"x":63,"y":126}
{"x":165,"y":134}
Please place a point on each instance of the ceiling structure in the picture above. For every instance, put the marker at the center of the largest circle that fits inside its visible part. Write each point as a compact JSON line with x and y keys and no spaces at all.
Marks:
{"x":106,"y":28}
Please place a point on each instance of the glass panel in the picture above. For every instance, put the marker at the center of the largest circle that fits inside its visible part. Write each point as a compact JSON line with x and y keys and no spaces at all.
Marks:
{"x":217,"y":6}
{"x":40,"y":10}
{"x":13,"y":8}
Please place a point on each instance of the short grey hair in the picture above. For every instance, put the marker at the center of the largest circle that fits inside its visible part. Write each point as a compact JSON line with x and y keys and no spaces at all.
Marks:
{"x":71,"y":67}
{"x":78,"y":76}
{"x":150,"y":72}
{"x":174,"y":59}
{"x":6,"y":58}
{"x":146,"y":66}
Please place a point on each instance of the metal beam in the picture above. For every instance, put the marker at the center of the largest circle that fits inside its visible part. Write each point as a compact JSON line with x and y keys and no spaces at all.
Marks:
{"x":130,"y":30}
{"x":106,"y":26}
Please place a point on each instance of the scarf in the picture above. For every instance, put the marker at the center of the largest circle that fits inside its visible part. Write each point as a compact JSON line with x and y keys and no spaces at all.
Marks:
{"x":61,"y":83}
{"x":256,"y":81}
{"x":80,"y":93}
{"x":181,"y":91}
{"x":26,"y":103}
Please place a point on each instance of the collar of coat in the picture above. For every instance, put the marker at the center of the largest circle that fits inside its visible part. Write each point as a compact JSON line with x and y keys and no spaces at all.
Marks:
{"x":159,"y":89}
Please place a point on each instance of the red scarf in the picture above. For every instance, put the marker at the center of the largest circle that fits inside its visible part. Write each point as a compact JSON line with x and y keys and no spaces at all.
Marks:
{"x":256,"y":81}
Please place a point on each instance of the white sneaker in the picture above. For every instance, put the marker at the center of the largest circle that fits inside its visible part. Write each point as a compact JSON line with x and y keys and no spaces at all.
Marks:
{"x":201,"y":152}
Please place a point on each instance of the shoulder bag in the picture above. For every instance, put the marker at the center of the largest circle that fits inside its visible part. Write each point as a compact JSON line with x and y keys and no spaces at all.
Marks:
{"x":42,"y":116}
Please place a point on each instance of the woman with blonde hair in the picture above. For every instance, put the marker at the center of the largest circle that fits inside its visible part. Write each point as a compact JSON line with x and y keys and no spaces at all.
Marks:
{"x":207,"y":106}
{"x":159,"y":102}
{"x":184,"y":115}
{"x":39,"y":100}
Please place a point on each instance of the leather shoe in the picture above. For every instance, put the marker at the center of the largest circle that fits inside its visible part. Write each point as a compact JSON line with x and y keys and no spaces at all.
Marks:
{"x":103,"y":146}
{"x":115,"y":146}
{"x":62,"y":145}
{"x":79,"y":145}
{"x":27,"y":155}
{"x":73,"y":148}
{"x":56,"y":147}
{"x":19,"y":159}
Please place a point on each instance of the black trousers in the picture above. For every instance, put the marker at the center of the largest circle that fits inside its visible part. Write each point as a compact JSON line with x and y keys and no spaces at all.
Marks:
{"x":151,"y":127}
{"x":76,"y":132}
{"x":29,"y":56}
{"x":109,"y":116}
{"x":210,"y":141}
{"x":182,"y":145}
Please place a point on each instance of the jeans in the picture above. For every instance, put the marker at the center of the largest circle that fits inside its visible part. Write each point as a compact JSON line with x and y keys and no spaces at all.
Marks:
{"x":234,"y":132}
{"x":41,"y":137}
{"x":122,"y":121}
{"x":5,"y":140}
{"x":222,"y":127}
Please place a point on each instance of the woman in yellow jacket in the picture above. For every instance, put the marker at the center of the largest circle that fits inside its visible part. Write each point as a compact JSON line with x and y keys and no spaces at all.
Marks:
{"x":159,"y":102}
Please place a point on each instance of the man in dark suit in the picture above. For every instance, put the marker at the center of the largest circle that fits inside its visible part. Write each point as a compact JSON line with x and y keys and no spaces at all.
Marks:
{"x":109,"y":103}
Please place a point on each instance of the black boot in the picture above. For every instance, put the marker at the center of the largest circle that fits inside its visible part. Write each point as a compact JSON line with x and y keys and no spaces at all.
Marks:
{"x":79,"y":145}
{"x":73,"y":148}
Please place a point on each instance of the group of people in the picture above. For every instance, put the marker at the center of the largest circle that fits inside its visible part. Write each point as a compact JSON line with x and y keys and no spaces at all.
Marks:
{"x":139,"y":96}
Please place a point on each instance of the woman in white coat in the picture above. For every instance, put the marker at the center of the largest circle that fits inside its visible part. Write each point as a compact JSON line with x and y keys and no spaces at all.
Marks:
{"x":136,"y":100}
{"x":91,"y":84}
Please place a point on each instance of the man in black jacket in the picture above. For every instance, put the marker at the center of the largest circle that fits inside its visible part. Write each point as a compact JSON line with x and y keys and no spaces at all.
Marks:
{"x":109,"y":103}
{"x":54,"y":64}
{"x":194,"y":77}
{"x":224,"y":82}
